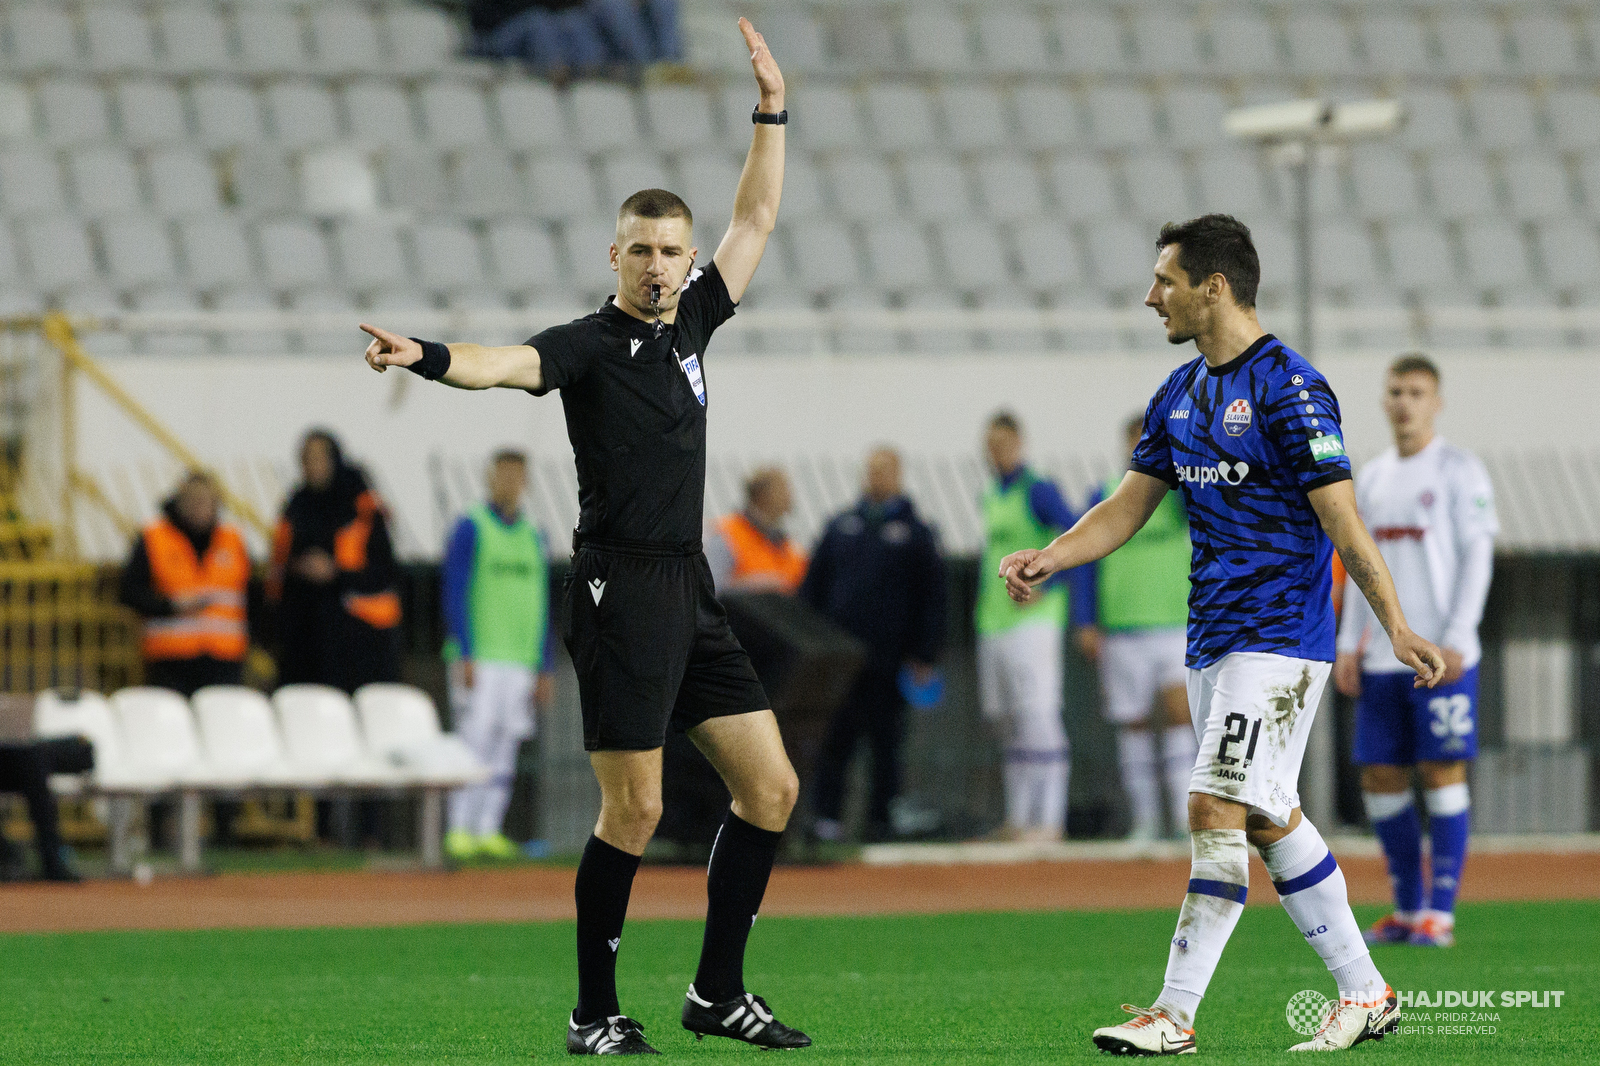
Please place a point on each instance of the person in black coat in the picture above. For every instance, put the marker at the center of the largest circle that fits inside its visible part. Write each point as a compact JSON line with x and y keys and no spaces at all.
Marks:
{"x":876,"y":573}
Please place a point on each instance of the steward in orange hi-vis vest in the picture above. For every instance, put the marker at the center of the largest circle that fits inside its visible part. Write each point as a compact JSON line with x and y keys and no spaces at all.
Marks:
{"x":760,"y":560}
{"x":210,"y":589}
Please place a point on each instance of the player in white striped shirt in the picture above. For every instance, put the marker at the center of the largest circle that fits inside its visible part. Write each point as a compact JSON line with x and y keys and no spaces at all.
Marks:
{"x":1430,"y":507}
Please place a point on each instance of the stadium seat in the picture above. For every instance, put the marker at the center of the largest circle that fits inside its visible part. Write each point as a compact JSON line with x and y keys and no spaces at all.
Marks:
{"x":226,"y":114}
{"x":523,"y":255}
{"x":1165,"y":44}
{"x":1047,"y":117}
{"x":159,"y":742}
{"x":1495,"y":253}
{"x":1421,"y":257}
{"x":16,"y":112}
{"x":1320,"y":43}
{"x":151,"y":114}
{"x":560,"y":187}
{"x":1343,"y":258}
{"x":344,"y":38}
{"x":1385,"y":183}
{"x":413,"y":180}
{"x":1570,"y":252}
{"x":322,"y":741}
{"x":119,"y":38}
{"x":531,"y":116}
{"x":866,"y":39}
{"x":57,"y":250}
{"x":261,"y":179}
{"x":270,"y":41}
{"x":337,"y":181}
{"x":1009,"y":187}
{"x":370,"y":253}
{"x":863,"y":188}
{"x":825,"y":257}
{"x":303,"y":115}
{"x":1575,"y":118}
{"x":488,"y":182}
{"x":937,"y":186}
{"x":1121,"y":118}
{"x":293,"y":255}
{"x":1047,"y":251}
{"x":60,"y":713}
{"x":900,"y":117}
{"x":1092,"y":40}
{"x":1232,"y":181}
{"x":1194,"y":117}
{"x":74,"y":112}
{"x":1244,"y":42}
{"x":1122,"y":253}
{"x":937,"y":40}
{"x":194,"y":39}
{"x":588,"y":242}
{"x":628,"y":172}
{"x":709,"y":182}
{"x":803,"y":195}
{"x":680,"y":118}
{"x":603,"y":117}
{"x":1537,"y":185}
{"x":30,"y":182}
{"x":1395,"y":44}
{"x":1013,"y":41}
{"x":379,"y":114}
{"x":240,"y":739}
{"x":453,"y":114}
{"x":1503,"y":118}
{"x":216,"y":253}
{"x":1545,"y":42}
{"x":1461,"y":185}
{"x":805,"y":48}
{"x":103,"y":181}
{"x":42,"y":38}
{"x":1083,"y":188}
{"x":974,"y":255}
{"x":1433,"y":119}
{"x":421,"y":39}
{"x":138,"y":253}
{"x":248,"y":341}
{"x":448,"y":257}
{"x":975,"y":117}
{"x":900,"y":255}
{"x":1158,"y":185}
{"x":825,"y":117}
{"x":401,"y":728}
{"x":1471,"y":44}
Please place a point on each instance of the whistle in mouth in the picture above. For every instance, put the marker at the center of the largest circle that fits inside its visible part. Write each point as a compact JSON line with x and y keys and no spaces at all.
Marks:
{"x":655,"y":295}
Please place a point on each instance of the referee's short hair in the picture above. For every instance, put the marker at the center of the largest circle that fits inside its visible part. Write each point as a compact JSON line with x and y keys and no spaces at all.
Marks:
{"x":1006,"y":419}
{"x":655,"y":203}
{"x":1415,"y":363}
{"x":1216,"y":244}
{"x":509,"y":455}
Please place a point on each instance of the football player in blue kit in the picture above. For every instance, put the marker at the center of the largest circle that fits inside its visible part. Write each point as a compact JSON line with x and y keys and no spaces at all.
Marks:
{"x":1249,"y":433}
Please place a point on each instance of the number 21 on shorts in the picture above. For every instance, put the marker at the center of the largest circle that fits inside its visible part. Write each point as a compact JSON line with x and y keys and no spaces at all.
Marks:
{"x":1452,"y":715}
{"x":1237,"y":725}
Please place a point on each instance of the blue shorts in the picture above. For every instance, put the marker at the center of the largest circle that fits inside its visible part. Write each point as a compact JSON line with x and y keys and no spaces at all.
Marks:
{"x":1398,"y":725}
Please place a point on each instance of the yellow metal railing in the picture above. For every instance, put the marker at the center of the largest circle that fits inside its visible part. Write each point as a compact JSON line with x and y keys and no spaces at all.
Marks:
{"x":61,"y":626}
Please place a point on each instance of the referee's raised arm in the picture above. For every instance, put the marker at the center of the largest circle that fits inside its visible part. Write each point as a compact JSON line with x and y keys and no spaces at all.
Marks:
{"x":755,"y":205}
{"x":463,"y":366}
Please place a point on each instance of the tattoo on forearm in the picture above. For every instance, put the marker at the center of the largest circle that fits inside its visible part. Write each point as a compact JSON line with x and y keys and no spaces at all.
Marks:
{"x":1365,"y":575}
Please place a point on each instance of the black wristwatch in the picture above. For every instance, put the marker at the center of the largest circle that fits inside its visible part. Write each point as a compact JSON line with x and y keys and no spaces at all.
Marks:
{"x":766,"y":118}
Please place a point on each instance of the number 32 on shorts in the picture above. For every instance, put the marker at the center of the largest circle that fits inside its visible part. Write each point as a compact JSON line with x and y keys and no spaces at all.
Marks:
{"x":1452,"y":715}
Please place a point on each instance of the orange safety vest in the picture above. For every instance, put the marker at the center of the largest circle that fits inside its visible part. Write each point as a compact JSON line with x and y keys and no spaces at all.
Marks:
{"x":754,"y":553}
{"x":380,"y":610}
{"x":218,"y":630}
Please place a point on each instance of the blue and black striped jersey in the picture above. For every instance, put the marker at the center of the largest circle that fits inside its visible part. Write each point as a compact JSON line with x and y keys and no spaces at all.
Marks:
{"x":1245,"y":442}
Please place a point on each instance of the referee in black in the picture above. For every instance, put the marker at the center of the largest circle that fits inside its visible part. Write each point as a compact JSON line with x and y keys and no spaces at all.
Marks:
{"x":650,"y":641}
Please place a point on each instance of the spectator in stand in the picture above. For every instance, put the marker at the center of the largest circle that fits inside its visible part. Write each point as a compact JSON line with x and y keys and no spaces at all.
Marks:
{"x":878,"y":574}
{"x":748,"y":550}
{"x":501,"y":648}
{"x":578,"y":38}
{"x":187,"y":577}
{"x":334,"y":576}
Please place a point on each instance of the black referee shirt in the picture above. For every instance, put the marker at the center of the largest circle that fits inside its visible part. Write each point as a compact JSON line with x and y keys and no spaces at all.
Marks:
{"x":636,"y":413}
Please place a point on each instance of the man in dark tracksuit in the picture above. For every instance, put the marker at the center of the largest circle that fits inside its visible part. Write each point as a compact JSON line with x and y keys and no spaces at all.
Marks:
{"x":876,"y":573}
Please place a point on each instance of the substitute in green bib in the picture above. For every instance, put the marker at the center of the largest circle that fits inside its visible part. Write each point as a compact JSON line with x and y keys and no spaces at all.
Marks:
{"x":1020,"y":645}
{"x":500,"y":644}
{"x":1131,"y":620}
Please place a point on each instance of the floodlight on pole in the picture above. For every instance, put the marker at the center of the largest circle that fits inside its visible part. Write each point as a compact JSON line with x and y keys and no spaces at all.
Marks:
{"x":1294,"y":129}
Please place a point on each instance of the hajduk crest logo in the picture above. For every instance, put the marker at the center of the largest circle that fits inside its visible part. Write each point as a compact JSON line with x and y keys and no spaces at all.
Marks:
{"x":1236,"y":419}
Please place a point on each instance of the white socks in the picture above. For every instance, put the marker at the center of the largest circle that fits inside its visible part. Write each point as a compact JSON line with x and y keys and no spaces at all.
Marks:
{"x":1136,"y":756}
{"x":1312,"y":889}
{"x":1178,"y":749}
{"x":1218,"y":880}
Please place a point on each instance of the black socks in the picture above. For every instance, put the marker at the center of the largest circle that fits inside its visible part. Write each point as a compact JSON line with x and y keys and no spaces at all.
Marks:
{"x":605,"y":879}
{"x":741,"y":862}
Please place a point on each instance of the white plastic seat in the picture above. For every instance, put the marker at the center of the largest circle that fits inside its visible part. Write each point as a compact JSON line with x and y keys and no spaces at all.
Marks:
{"x":1121,"y":118}
{"x":159,"y":742}
{"x":216,"y":253}
{"x":152,"y":114}
{"x":1231,"y":182}
{"x":531,"y":115}
{"x":975,"y":117}
{"x":1395,"y":44}
{"x":448,"y":256}
{"x":1385,"y":183}
{"x":30,"y":182}
{"x":937,"y":186}
{"x":1195,"y":117}
{"x":302,"y":115}
{"x":1420,"y":256}
{"x":401,"y":727}
{"x":1319,"y":43}
{"x":1092,"y":39}
{"x":226,"y":114}
{"x":251,"y":342}
{"x":1166,"y":44}
{"x":682,"y":116}
{"x":1433,"y":119}
{"x":379,"y":114}
{"x":321,"y":738}
{"x":1048,"y":117}
{"x":263,"y":180}
{"x":370,"y":253}
{"x":588,"y":242}
{"x":829,"y":119}
{"x":293,"y":254}
{"x":626,"y":173}
{"x":104,"y":181}
{"x":414,"y":179}
{"x":936,"y":39}
{"x":1158,"y":185}
{"x":1575,"y":117}
{"x":1244,"y":42}
{"x":1461,"y":184}
{"x":138,"y":252}
{"x":16,"y":112}
{"x":901,"y":116}
{"x":900,"y":256}
{"x":453,"y":114}
{"x":1537,"y":185}
{"x":1048,"y":253}
{"x":421,"y":38}
{"x":802,"y":189}
{"x":1495,"y":254}
{"x":74,"y":112}
{"x":825,"y":257}
{"x":194,"y":38}
{"x":239,"y":737}
{"x":87,"y":715}
{"x":1570,"y":252}
{"x":1123,"y":254}
{"x":487,"y":182}
{"x":42,"y":38}
{"x":1503,"y":118}
{"x":1009,"y":187}
{"x":1083,"y":188}
{"x":974,"y":256}
{"x":1471,"y":43}
{"x":1545,"y":43}
{"x":863,"y":187}
{"x":561,"y":188}
{"x":709,"y":182}
{"x":804,"y":48}
{"x":58,"y":252}
{"x":270,"y":41}
{"x":523,"y":255}
{"x":344,"y":39}
{"x":603,"y":117}
{"x":118,"y":37}
{"x":1012,"y":41}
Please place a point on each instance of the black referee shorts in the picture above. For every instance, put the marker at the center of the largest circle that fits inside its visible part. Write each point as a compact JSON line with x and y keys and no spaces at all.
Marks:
{"x":652,"y":646}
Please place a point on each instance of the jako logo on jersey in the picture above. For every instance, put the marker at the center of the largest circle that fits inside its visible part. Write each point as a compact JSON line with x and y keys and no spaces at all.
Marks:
{"x":597,"y":588}
{"x":1237,"y":417}
{"x":1326,"y":447}
{"x":1180,"y":414}
{"x":1226,"y":472}
{"x":633,"y":345}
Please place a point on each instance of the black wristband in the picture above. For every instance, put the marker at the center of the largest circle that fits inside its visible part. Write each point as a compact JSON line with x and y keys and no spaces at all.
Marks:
{"x":435,"y":361}
{"x":760,"y":117}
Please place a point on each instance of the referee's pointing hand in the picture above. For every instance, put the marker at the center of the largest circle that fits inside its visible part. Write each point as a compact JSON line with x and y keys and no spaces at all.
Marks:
{"x":388,"y":349}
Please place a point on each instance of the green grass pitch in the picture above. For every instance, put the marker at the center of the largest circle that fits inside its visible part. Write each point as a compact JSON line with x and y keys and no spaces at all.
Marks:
{"x":948,"y":989}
